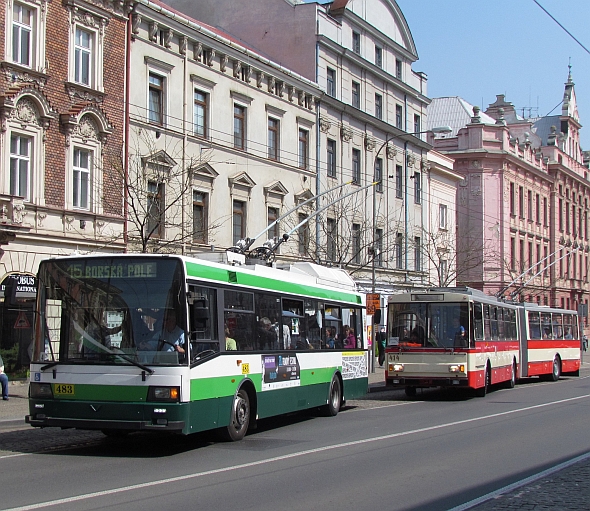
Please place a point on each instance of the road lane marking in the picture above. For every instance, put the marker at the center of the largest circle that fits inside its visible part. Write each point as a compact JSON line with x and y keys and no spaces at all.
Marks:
{"x":523,"y":482}
{"x":114,"y":491}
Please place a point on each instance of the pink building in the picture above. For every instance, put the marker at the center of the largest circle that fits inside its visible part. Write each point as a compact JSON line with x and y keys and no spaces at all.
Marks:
{"x":522,"y":205}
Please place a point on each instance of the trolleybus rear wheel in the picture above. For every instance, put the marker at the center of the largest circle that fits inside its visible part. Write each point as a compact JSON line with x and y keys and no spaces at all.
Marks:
{"x":240,"y":417}
{"x":334,"y":398}
{"x":556,"y":370}
{"x":512,"y":381}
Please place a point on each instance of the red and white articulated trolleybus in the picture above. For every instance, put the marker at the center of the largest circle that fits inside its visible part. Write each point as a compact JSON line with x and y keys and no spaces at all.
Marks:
{"x":550,"y":341}
{"x":451,"y":337}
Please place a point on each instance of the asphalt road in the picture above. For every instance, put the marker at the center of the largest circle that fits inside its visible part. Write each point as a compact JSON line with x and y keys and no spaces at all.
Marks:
{"x":436,"y":451}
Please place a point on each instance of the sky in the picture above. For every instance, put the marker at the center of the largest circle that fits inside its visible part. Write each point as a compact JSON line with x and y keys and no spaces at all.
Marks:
{"x":477,"y":49}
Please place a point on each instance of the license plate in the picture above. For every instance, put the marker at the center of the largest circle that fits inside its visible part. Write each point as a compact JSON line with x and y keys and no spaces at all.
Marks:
{"x":63,"y":389}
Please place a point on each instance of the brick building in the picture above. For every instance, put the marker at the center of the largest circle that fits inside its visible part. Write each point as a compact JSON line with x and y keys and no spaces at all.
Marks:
{"x":61,"y":132}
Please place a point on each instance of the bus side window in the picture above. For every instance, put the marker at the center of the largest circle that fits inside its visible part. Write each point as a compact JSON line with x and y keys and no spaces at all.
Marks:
{"x":494,"y":322}
{"x":534,"y":325}
{"x":546,"y":328}
{"x":486,"y":323}
{"x":557,"y":326}
{"x":477,"y":310}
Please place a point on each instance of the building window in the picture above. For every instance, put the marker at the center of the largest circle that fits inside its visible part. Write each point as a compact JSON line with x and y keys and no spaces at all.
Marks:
{"x":20,"y":166}
{"x":239,"y":221}
{"x":83,"y":57}
{"x":545,"y":212}
{"x":513,"y":254}
{"x":303,"y":234}
{"x":399,"y":259}
{"x":378,"y":247}
{"x":417,"y":254}
{"x":156,"y":99}
{"x":378,"y":174}
{"x":272,"y":219}
{"x":560,"y":215}
{"x":398,"y":69}
{"x":331,"y":234}
{"x":512,"y":205}
{"x":81,"y":178}
{"x":356,"y":243}
{"x":239,"y":127}
{"x":155,"y":209}
{"x":378,"y":106}
{"x":531,"y":255}
{"x":416,"y":124}
{"x":521,"y":202}
{"x":356,"y":42}
{"x":398,"y":181}
{"x":331,"y":82}
{"x":417,"y":188}
{"x":331,"y":157}
{"x":538,"y":208}
{"x":22,"y":27}
{"x":378,"y":56}
{"x":356,"y":166}
{"x":200,"y":215}
{"x":530,"y":206}
{"x":356,"y":94}
{"x":442,"y":216}
{"x":399,"y":117}
{"x":303,"y":149}
{"x":521,"y":260}
{"x":273,"y":139}
{"x":201,"y":100}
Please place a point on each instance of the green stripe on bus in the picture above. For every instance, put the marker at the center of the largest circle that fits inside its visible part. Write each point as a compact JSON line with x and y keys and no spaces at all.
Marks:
{"x":115,"y":393}
{"x":263,"y":282}
{"x":221,"y":386}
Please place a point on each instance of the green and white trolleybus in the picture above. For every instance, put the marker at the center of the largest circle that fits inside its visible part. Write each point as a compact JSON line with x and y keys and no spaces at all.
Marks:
{"x":251,"y":342}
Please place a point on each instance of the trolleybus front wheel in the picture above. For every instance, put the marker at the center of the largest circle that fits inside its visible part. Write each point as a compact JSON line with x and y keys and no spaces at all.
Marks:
{"x":411,"y":391}
{"x":240,"y":417}
{"x":487,"y":383}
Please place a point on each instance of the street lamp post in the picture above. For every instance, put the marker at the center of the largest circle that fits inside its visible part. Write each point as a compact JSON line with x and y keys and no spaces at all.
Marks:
{"x":374,"y":250}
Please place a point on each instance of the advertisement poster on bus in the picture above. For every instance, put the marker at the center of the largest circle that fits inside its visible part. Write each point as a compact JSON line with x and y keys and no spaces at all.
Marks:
{"x":354,"y":365}
{"x":280,"y":371}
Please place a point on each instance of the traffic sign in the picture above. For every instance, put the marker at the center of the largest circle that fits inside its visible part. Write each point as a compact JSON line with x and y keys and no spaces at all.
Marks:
{"x":373,"y":302}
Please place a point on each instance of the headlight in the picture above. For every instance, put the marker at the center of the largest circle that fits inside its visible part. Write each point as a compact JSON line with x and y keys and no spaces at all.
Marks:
{"x":396,"y":368}
{"x":168,"y":394}
{"x":457,"y":368}
{"x":41,"y":391}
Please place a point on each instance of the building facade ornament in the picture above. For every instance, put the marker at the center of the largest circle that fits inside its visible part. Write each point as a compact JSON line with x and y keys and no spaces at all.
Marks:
{"x":346,"y":133}
{"x":325,"y":124}
{"x":369,"y":142}
{"x":223,"y":59}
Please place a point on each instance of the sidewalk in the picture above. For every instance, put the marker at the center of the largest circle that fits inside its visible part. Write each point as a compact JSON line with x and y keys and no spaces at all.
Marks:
{"x":13,"y":411}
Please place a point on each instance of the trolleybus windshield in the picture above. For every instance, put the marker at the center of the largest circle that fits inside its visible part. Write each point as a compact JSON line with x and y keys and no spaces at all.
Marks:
{"x":429,"y":325}
{"x":109,"y":311}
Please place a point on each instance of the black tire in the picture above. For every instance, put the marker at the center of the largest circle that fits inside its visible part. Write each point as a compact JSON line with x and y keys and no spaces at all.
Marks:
{"x":240,"y":418}
{"x":487,"y":378}
{"x":115,"y":433}
{"x":411,"y":391}
{"x":334,"y":398}
{"x":512,"y":381}
{"x":556,"y":368}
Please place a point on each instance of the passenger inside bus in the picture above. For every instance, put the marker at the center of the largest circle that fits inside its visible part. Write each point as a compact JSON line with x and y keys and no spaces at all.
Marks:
{"x":460,"y":334}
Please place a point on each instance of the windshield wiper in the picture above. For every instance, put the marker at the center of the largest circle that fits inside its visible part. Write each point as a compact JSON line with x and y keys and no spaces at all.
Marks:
{"x":134,"y":362}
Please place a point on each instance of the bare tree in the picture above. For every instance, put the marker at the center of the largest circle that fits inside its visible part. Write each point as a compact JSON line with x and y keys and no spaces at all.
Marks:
{"x":455,"y":260}
{"x":345,"y":231}
{"x":157,"y":192}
